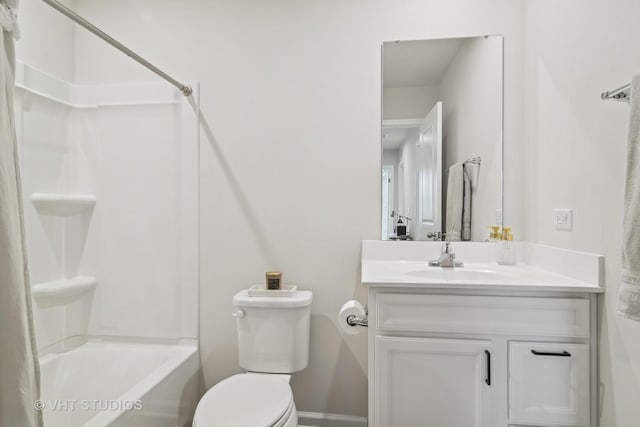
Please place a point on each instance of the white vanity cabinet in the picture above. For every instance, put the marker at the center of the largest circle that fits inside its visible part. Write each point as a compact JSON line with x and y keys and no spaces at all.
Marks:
{"x":442,"y":357}
{"x":484,"y":345}
{"x":444,"y":381}
{"x":549,"y":383}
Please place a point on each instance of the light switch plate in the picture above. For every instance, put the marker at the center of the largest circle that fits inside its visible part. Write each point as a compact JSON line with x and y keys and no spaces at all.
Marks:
{"x":563,"y":219}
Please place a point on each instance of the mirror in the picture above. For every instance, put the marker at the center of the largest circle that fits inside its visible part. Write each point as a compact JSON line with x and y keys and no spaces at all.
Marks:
{"x":442,"y":109}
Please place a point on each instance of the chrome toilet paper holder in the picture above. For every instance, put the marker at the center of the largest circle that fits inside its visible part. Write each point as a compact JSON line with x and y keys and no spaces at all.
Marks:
{"x":353,"y":320}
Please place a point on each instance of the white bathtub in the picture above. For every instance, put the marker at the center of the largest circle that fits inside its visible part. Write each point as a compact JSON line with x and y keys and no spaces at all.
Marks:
{"x":109,"y":383}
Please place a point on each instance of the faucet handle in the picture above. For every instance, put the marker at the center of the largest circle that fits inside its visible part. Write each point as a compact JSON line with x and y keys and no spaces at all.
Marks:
{"x":447,"y":258}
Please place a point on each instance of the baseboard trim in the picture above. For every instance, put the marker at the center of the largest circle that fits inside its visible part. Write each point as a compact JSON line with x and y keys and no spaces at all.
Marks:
{"x":318,"y":419}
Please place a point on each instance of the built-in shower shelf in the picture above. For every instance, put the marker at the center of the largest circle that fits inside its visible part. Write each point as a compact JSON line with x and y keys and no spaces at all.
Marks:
{"x":57,"y":204}
{"x":63,"y":289}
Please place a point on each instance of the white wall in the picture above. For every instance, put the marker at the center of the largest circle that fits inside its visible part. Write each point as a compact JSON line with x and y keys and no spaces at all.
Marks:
{"x":472,"y":120}
{"x":409,"y":102}
{"x":390,"y":157}
{"x":290,"y":146}
{"x":575,"y":158}
{"x":47,"y":39}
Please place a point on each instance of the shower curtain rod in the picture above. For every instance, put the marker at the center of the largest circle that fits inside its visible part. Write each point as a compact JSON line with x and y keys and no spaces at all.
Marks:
{"x":620,"y":94}
{"x":185,"y":89}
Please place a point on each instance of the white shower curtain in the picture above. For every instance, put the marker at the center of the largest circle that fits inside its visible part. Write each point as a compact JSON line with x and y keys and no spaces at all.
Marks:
{"x":19,"y":375}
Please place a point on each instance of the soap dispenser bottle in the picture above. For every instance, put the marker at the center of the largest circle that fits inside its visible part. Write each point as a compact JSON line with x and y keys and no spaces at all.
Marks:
{"x":401,"y":229}
{"x":505,"y":248}
{"x":494,"y":234}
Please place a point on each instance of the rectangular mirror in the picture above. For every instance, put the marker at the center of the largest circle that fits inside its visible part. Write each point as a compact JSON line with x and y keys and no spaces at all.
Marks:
{"x":442,"y":121}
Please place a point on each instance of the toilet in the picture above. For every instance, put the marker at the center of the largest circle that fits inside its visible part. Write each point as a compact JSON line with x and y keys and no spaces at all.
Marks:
{"x":273,"y":342}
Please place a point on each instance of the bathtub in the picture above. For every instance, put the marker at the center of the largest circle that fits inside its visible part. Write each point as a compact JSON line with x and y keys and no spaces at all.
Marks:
{"x":125,"y":384}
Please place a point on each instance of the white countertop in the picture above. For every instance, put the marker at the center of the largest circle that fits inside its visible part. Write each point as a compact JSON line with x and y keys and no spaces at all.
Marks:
{"x":540,"y":268}
{"x":412,"y":274}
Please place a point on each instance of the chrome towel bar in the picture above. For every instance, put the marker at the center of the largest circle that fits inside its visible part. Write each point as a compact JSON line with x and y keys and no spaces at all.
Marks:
{"x":623,"y":93}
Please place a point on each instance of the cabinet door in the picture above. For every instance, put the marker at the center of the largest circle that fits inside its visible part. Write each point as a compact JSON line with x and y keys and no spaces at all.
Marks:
{"x":432,"y":382}
{"x":549,"y":383}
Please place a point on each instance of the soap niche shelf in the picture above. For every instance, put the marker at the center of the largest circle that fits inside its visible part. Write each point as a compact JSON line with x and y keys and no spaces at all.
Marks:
{"x":68,"y":207}
{"x":58,"y":204}
{"x":64,"y":290}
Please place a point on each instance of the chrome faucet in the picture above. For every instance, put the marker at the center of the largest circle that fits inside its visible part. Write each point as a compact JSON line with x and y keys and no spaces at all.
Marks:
{"x":436,"y":236}
{"x":447,"y":258}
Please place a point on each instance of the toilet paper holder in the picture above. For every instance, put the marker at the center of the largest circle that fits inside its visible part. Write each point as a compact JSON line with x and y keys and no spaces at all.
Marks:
{"x":353,"y":320}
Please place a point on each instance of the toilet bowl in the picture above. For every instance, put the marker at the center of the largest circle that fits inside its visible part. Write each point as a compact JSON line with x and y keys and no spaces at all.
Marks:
{"x":273,"y":342}
{"x":243,"y":400}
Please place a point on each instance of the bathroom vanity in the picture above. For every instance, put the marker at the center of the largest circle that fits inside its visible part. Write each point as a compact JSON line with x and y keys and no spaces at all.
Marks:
{"x":482,"y":345}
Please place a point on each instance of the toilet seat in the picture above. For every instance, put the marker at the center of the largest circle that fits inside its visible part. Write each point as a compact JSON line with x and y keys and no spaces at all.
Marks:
{"x":246,"y":400}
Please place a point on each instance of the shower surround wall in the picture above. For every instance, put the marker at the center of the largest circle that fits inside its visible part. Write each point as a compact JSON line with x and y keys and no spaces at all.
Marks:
{"x":133,"y":147}
{"x":140,"y":239}
{"x":46,"y":43}
{"x":143,"y":164}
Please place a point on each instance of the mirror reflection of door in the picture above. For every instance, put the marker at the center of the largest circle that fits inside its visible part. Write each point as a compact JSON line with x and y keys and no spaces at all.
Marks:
{"x":415,"y":146}
{"x":400,"y":139}
{"x":401,"y":200}
{"x":388,"y":201}
{"x":429,"y":174}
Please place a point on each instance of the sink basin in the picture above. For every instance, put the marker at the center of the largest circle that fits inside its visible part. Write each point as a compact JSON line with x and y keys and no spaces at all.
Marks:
{"x":457,"y":274}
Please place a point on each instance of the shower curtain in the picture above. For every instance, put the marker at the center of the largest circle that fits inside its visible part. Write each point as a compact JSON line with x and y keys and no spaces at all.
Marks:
{"x":19,"y":374}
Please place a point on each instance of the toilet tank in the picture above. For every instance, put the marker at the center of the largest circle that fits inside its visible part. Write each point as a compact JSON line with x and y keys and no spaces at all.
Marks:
{"x":273,"y":332}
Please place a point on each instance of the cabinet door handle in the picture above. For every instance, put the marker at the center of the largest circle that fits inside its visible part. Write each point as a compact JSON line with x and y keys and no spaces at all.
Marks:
{"x":488,"y":379}
{"x":545,"y":353}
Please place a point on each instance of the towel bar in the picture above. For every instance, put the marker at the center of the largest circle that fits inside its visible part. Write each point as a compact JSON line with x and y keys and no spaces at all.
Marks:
{"x":620,"y":94}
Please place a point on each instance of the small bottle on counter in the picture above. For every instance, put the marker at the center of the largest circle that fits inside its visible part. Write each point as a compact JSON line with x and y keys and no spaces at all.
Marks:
{"x":494,"y":234}
{"x":505,"y":248}
{"x":401,"y":228}
{"x":274,"y":280}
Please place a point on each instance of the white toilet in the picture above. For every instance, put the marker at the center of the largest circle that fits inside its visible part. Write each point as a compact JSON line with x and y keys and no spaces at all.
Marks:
{"x":273,"y":342}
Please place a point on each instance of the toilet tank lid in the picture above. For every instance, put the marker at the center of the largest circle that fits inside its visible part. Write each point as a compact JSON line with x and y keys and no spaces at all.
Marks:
{"x":298,"y":299}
